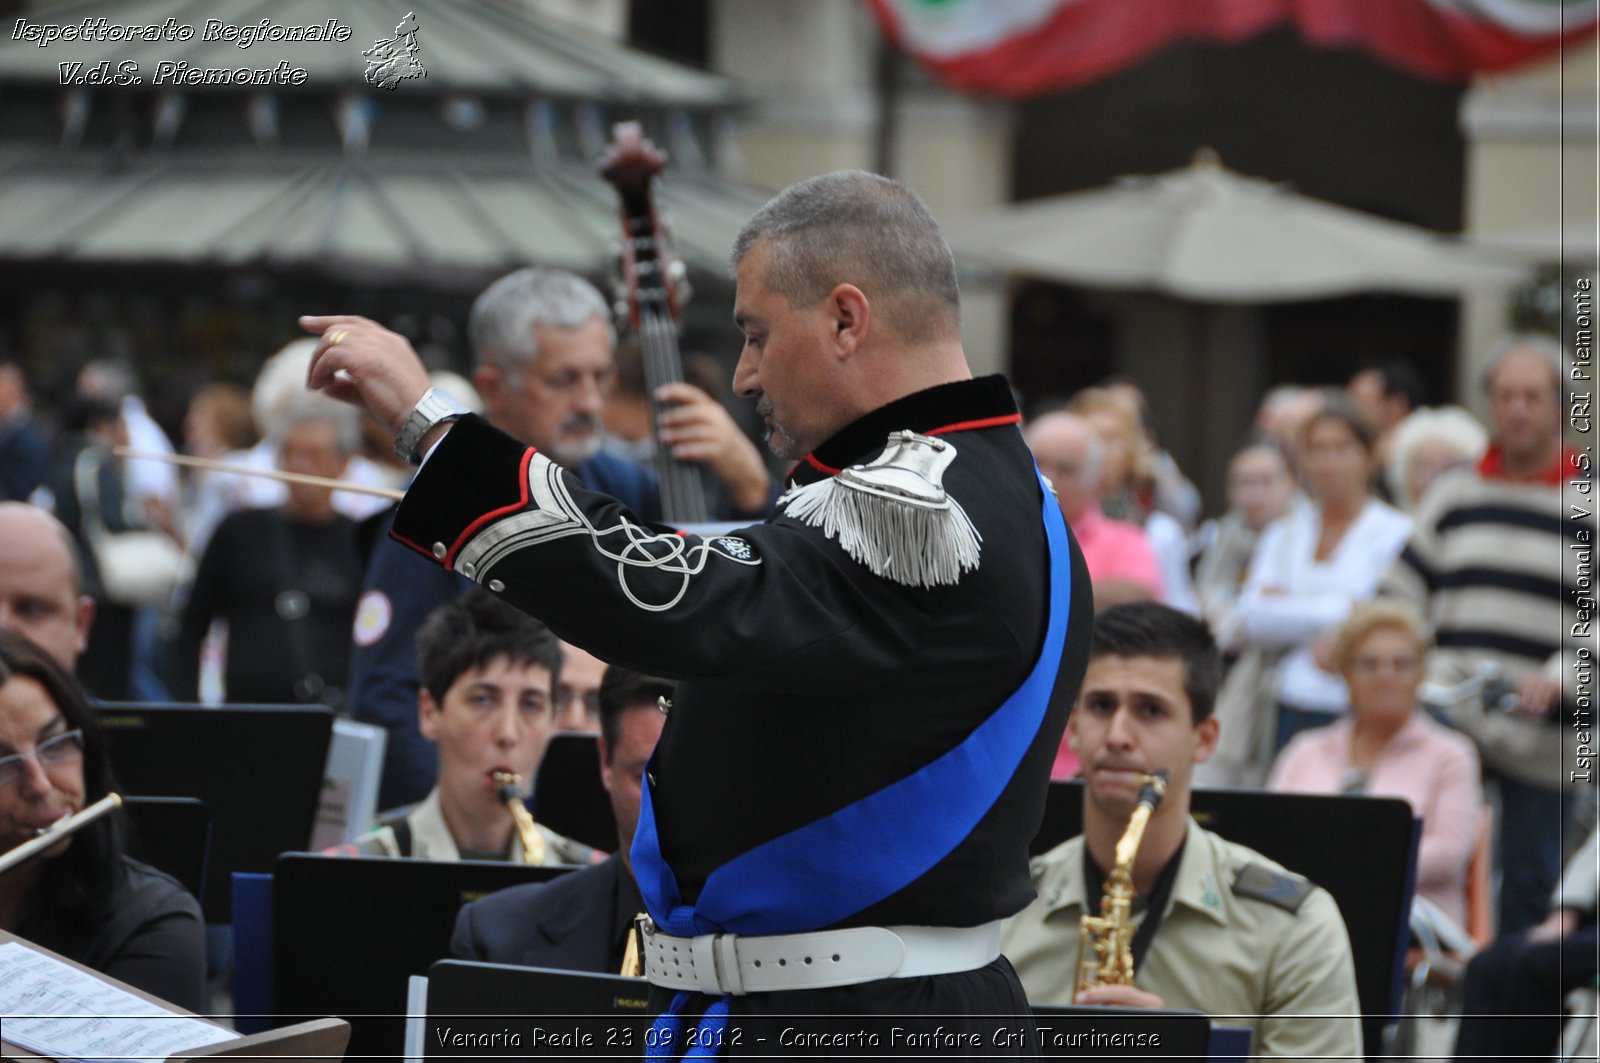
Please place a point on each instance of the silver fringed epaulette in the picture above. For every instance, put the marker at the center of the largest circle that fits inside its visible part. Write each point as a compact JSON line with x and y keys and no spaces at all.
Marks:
{"x":893,"y":514}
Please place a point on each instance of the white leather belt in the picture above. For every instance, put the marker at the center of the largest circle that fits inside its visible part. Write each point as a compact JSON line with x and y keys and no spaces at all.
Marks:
{"x":736,"y":964}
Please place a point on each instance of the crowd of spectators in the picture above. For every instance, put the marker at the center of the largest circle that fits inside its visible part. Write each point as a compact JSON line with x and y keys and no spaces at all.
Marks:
{"x":1369,"y":550}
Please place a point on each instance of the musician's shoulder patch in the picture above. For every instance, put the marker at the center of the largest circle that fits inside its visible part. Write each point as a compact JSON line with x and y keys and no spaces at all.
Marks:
{"x":1279,"y":888}
{"x":893,"y":514}
{"x":373,"y":613}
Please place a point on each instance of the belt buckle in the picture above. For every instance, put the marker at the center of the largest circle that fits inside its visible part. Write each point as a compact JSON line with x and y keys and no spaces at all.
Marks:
{"x":725,"y":957}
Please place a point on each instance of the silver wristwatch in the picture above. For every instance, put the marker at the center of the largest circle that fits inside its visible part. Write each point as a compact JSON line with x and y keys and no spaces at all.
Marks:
{"x":434,"y":408}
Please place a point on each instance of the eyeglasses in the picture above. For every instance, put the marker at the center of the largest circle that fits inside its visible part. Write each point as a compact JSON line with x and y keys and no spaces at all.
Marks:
{"x":1373,"y":665}
{"x":58,"y":750}
{"x":591,"y":700}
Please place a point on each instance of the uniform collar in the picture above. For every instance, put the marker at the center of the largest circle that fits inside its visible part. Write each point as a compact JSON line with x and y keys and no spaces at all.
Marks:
{"x":1059,"y":876}
{"x":954,"y":407}
{"x":431,"y":838}
{"x":430,"y":835}
{"x":1198,"y":885}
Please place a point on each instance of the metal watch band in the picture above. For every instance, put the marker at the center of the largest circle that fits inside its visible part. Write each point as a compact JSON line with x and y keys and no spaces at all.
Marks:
{"x":434,"y":408}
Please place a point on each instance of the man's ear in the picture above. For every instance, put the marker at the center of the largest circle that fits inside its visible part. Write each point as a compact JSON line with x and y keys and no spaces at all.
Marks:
{"x":83,"y":620}
{"x":850,"y":314}
{"x":428,"y":711}
{"x":605,"y":762}
{"x":1207,"y":730}
{"x":1072,"y":729}
{"x":490,"y":381}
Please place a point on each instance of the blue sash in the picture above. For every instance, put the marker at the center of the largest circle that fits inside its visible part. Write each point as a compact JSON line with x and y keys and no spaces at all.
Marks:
{"x":820,"y":874}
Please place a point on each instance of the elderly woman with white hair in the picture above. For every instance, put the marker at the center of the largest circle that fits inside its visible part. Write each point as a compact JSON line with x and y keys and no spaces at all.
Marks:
{"x":284,"y":579}
{"x":1428,"y":442}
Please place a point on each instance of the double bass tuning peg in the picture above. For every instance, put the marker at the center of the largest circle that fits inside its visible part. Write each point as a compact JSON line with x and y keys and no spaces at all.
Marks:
{"x":678,"y":278}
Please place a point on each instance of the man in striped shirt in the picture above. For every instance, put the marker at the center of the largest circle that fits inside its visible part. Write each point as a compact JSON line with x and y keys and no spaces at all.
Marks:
{"x":1487,"y":565}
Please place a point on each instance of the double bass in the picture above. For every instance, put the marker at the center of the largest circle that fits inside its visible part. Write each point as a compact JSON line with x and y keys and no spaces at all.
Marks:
{"x":652,"y":285}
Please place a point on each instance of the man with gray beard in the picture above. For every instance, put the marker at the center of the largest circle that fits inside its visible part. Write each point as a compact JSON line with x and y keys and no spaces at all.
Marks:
{"x":542,"y":342}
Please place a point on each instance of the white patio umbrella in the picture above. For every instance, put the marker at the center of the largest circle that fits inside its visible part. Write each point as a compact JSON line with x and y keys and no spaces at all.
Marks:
{"x":1208,"y":234}
{"x":1571,"y":240}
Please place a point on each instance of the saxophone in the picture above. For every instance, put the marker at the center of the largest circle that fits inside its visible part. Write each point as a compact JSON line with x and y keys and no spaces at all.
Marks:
{"x":508,"y":786}
{"x":1105,"y":941}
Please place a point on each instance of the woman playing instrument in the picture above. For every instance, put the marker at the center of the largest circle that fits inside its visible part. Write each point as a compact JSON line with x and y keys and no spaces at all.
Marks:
{"x":82,"y":897}
{"x":1384,"y":746}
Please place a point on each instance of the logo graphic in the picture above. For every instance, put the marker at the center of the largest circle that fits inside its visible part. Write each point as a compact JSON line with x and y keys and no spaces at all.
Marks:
{"x":737,"y":549}
{"x":392,"y":61}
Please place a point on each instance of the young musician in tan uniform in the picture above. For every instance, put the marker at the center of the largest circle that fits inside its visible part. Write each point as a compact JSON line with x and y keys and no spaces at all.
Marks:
{"x":1237,"y":937}
{"x":488,"y":702}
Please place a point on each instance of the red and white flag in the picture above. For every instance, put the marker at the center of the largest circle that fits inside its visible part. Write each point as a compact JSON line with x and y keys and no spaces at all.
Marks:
{"x":1023,"y":47}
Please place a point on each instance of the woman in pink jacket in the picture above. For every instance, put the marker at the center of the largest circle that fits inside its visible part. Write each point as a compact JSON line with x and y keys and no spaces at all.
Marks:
{"x":1384,"y":747}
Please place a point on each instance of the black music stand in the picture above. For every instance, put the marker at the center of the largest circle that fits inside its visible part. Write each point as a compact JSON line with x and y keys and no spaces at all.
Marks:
{"x":1313,"y":835}
{"x":568,"y":796}
{"x":258,"y":769}
{"x":554,"y":1014}
{"x":171,"y":834}
{"x":348,"y":932}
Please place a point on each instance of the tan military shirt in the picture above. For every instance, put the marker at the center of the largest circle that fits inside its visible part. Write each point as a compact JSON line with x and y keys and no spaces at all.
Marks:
{"x":431,"y":840}
{"x":1244,"y":961}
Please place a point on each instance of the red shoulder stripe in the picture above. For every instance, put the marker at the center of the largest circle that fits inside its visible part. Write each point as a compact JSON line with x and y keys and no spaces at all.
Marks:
{"x":967,"y":426}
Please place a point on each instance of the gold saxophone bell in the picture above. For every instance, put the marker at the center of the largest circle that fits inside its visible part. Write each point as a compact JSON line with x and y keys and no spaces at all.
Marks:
{"x":1105,"y":941}
{"x":633,"y":955}
{"x":508,"y":785}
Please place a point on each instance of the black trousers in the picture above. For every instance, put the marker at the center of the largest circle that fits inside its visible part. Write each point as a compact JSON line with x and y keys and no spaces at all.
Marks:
{"x":1511,"y":998}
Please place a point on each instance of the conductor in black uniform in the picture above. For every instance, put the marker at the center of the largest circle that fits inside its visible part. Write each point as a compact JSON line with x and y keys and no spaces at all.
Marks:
{"x":871,"y":686}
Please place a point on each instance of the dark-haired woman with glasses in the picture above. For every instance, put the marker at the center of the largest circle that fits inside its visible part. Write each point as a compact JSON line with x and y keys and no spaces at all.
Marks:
{"x":84,"y":897}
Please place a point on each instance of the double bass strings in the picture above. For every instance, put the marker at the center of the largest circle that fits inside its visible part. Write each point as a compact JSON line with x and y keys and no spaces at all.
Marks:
{"x":682,"y":492}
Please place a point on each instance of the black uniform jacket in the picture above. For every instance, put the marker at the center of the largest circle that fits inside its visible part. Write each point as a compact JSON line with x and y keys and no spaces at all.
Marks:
{"x":577,"y":922}
{"x":805,"y":682}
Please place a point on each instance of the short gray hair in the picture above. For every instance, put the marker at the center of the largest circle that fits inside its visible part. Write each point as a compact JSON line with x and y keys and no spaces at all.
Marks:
{"x":500,"y":327}
{"x":310,"y":408}
{"x":1450,"y":425}
{"x":1546,"y":348}
{"x":859,"y":228}
{"x":1094,"y":448}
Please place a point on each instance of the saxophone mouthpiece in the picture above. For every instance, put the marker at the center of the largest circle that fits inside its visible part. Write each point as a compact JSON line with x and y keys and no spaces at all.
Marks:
{"x":1155,"y":788}
{"x":508,"y":785}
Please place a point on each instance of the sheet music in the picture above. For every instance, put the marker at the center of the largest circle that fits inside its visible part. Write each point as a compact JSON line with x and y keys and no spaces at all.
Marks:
{"x":54,"y":1009}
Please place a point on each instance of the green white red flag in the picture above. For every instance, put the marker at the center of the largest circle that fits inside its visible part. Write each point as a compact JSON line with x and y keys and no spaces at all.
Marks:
{"x":1022,"y":47}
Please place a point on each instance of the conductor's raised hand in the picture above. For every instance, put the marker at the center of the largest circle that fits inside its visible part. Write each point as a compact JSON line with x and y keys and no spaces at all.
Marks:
{"x":360,"y":362}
